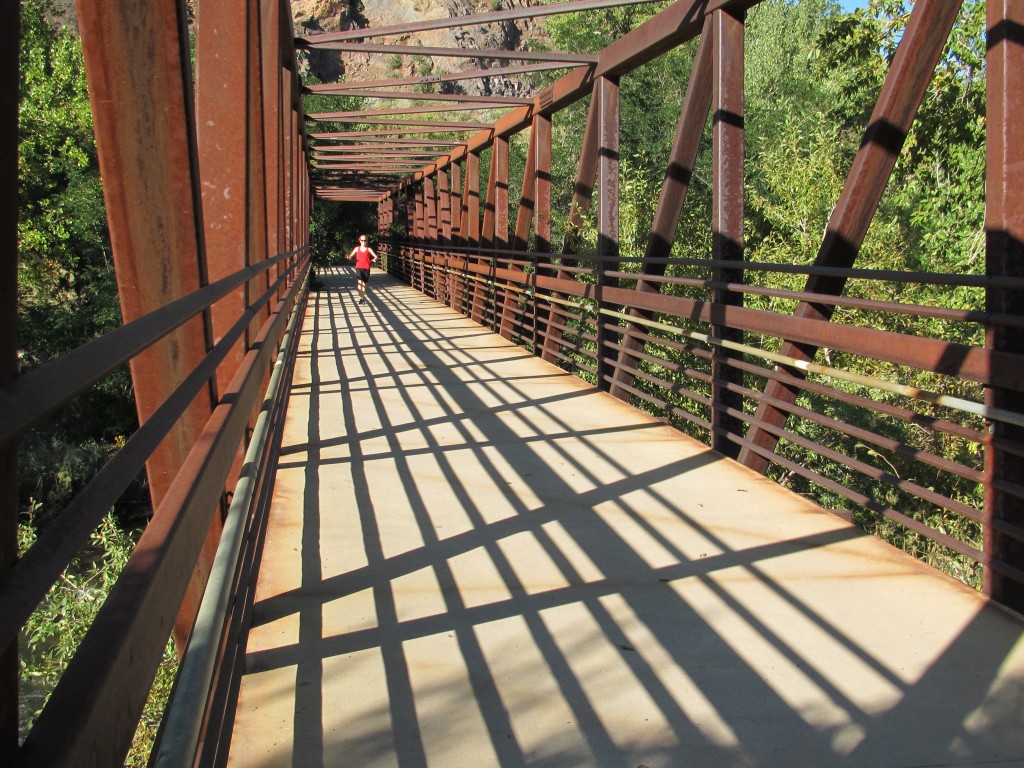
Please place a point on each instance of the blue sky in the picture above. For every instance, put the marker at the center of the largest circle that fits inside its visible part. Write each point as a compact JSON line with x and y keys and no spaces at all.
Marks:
{"x":851,"y":5}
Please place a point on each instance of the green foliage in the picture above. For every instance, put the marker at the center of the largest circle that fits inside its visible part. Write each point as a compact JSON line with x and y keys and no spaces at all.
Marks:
{"x":335,"y":229}
{"x":56,"y":628}
{"x":67,"y":293}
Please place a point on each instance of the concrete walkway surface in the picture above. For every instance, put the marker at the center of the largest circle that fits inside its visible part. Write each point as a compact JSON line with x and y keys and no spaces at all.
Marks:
{"x":475,"y":559}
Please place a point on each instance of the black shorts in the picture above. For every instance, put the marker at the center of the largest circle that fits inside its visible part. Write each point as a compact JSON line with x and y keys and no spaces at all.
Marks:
{"x":363,"y":275}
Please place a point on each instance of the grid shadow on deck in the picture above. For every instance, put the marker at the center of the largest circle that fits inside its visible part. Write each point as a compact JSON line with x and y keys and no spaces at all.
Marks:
{"x":474,"y":559}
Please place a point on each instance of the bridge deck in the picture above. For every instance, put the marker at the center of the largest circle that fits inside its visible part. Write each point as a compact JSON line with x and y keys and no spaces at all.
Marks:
{"x":473,"y":559}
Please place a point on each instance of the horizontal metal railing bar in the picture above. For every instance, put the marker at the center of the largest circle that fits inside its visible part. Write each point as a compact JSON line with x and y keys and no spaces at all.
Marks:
{"x":121,"y":650}
{"x":39,"y":392}
{"x":1001,"y":368}
{"x":956,"y":403}
{"x":975,"y":316}
{"x":903,"y":414}
{"x":1006,"y":569}
{"x":1004,"y":526}
{"x":859,"y":433}
{"x":183,"y":719}
{"x":1013,"y":489}
{"x":868,"y":404}
{"x":35,"y":572}
{"x":882,"y":275}
{"x":669,"y":387}
{"x":898,"y":517}
{"x":868,"y":470}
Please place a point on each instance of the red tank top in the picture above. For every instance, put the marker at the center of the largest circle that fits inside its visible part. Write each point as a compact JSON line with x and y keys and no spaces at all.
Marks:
{"x":362,"y":257}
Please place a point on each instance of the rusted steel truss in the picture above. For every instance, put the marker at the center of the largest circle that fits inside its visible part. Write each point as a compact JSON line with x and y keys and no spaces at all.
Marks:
{"x":208,"y":201}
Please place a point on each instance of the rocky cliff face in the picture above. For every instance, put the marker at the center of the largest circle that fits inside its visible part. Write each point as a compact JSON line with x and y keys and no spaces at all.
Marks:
{"x":336,"y":15}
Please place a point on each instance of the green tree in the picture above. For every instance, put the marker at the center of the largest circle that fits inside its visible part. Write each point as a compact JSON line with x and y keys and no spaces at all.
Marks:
{"x":67,"y":293}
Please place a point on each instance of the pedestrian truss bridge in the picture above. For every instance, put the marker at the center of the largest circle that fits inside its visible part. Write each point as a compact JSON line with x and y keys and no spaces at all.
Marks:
{"x":542,"y":499}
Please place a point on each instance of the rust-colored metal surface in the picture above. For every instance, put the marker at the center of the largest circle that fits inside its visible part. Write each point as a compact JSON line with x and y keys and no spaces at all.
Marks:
{"x":904,"y":88}
{"x":727,"y":211}
{"x":197,"y":371}
{"x":689,"y":132}
{"x":149,"y":168}
{"x":1004,"y":229}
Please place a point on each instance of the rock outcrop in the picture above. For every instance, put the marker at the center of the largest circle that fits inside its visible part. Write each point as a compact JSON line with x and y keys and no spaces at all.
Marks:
{"x":311,"y":16}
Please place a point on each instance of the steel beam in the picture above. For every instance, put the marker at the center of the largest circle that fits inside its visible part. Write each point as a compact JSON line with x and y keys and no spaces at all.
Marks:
{"x":1004,"y":226}
{"x":583,"y":191}
{"x":606,"y":91}
{"x":727,"y":221}
{"x":146,"y":149}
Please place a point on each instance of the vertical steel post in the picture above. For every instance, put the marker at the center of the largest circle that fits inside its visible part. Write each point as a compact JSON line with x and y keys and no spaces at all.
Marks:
{"x":9,"y":32}
{"x":146,"y":150}
{"x":454,"y":277}
{"x":521,"y":236}
{"x":222,"y":122}
{"x":471,"y":225}
{"x":444,"y":235}
{"x":1004,"y":227}
{"x":541,"y":207}
{"x":270,"y":34}
{"x":727,"y":221}
{"x":430,"y":196}
{"x":607,"y":93}
{"x":499,"y":234}
{"x":256,"y":193}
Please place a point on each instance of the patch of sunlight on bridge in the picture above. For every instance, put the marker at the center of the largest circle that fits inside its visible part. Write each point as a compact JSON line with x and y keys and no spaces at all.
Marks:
{"x":474,"y":559}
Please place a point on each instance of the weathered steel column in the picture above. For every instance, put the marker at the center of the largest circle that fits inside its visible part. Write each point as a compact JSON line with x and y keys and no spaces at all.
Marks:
{"x":674,"y":188}
{"x":444,"y":239}
{"x":521,"y":236}
{"x":430,"y":196}
{"x":455,"y":188}
{"x":9,"y":32}
{"x":607,"y":93}
{"x":222,"y":128}
{"x":1004,"y":227}
{"x":499,"y":232}
{"x":541,"y":208}
{"x":582,"y":195}
{"x":471,"y":225}
{"x":421,"y":234}
{"x":727,"y":221}
{"x":270,"y":34}
{"x":256,"y":193}
{"x":146,"y":149}
{"x":455,"y":282}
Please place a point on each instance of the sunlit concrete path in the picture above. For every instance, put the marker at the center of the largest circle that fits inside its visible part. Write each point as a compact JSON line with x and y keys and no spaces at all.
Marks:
{"x":474,"y":559}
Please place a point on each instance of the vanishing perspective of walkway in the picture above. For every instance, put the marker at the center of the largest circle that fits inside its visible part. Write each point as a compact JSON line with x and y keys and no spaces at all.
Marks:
{"x":474,"y":559}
